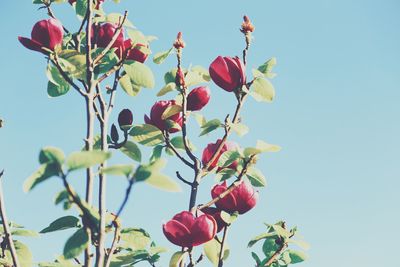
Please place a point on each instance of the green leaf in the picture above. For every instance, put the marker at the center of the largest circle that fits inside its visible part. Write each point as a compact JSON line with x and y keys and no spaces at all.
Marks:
{"x":171,"y":111}
{"x":80,"y":7}
{"x":157,"y":152}
{"x":177,"y":142}
{"x":296,"y":256}
{"x":56,"y":86}
{"x":262,"y":90}
{"x":270,"y":247}
{"x":116,"y":18}
{"x":119,"y":170}
{"x":212,"y":249}
{"x":76,"y":65}
{"x":300,"y":243}
{"x":24,"y":254}
{"x":227,"y":158}
{"x":169,"y":77}
{"x":256,"y":258}
{"x":62,"y":223}
{"x":44,"y":172}
{"x":266,"y":68}
{"x":193,"y":78}
{"x":135,"y":238}
{"x":177,"y":258}
{"x":260,"y":237}
{"x":163,"y":182}
{"x":132,"y":150}
{"x":140,"y":74}
{"x":24,"y":232}
{"x":150,"y":173}
{"x":203,"y":72}
{"x":279,"y":230}
{"x":76,"y":244}
{"x":169,"y":87}
{"x":137,"y":36}
{"x":239,"y":128}
{"x":200,"y":119}
{"x":51,"y":154}
{"x":229,"y":218}
{"x":210,"y":126}
{"x":256,"y":177}
{"x":86,"y":159}
{"x":147,"y":134}
{"x":128,"y":87}
{"x":54,"y":90}
{"x":161,"y":56}
{"x":224,"y":174}
{"x":265,"y":147}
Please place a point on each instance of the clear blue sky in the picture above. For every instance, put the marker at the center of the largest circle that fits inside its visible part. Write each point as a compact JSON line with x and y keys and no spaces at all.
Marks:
{"x":336,"y":115}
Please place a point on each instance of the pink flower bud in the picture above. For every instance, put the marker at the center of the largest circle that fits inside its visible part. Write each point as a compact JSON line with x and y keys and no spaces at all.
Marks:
{"x":45,"y":33}
{"x":180,"y":78}
{"x":216,"y":214}
{"x":198,"y":98}
{"x":156,"y":116}
{"x":105,"y":33}
{"x":242,"y":199}
{"x":179,"y":43}
{"x":125,"y":118}
{"x":186,"y":230}
{"x":133,"y":53}
{"x":209,"y":151}
{"x":228,"y":73}
{"x":247,"y":26}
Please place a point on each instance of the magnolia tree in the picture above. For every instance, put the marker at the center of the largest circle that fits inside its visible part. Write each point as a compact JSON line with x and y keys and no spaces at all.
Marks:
{"x":106,"y":48}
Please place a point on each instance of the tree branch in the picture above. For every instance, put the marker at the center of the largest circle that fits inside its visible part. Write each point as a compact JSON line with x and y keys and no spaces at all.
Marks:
{"x":171,"y":146}
{"x":221,"y":251}
{"x":6,"y":226}
{"x":182,"y":179}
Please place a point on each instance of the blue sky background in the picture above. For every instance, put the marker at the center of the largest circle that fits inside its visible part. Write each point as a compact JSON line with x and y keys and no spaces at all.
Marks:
{"x":336,"y":115}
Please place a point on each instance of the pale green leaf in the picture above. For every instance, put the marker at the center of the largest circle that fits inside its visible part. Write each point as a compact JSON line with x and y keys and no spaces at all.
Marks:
{"x":262,"y":90}
{"x":85,"y":159}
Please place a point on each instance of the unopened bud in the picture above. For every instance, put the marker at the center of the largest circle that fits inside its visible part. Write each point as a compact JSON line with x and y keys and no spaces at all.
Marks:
{"x":180,"y":78}
{"x":125,"y":118}
{"x":114,"y":134}
{"x":179,"y":43}
{"x":247,"y":26}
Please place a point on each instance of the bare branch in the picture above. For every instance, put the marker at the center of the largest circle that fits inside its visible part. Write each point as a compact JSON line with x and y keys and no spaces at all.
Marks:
{"x":171,"y":146}
{"x":6,"y":226}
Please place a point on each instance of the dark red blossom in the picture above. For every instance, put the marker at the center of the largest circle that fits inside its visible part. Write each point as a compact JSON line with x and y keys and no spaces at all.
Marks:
{"x":198,"y":98}
{"x":242,"y":199}
{"x":186,"y":230}
{"x":228,"y":73}
{"x":46,"y":33}
{"x":156,"y":117}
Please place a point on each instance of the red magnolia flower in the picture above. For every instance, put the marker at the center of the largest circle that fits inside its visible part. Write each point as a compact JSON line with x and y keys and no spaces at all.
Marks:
{"x":216,"y":214}
{"x":45,"y":33}
{"x":133,"y":54}
{"x":198,"y":98}
{"x":125,"y":118}
{"x":208,"y":152}
{"x":228,"y":73}
{"x":186,"y":230}
{"x":105,"y":33}
{"x":156,"y":116}
{"x":242,"y":199}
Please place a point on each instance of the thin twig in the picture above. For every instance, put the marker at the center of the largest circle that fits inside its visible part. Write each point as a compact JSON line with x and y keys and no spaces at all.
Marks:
{"x":182,"y":179}
{"x":116,"y":238}
{"x":171,"y":146}
{"x":279,"y":251}
{"x":221,"y":251}
{"x":6,"y":226}
{"x":125,"y":201}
